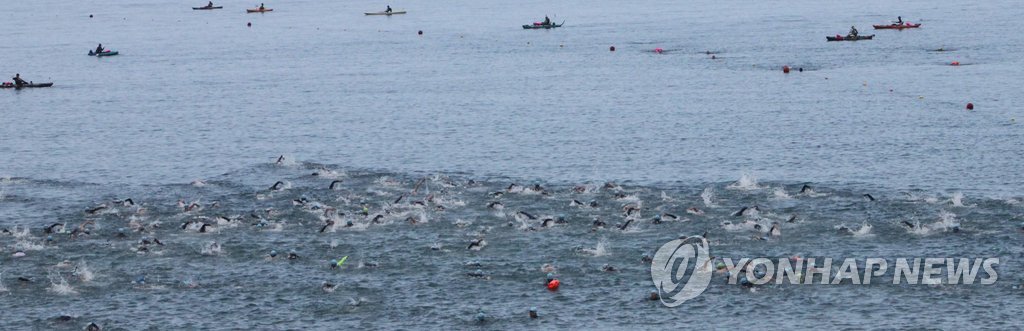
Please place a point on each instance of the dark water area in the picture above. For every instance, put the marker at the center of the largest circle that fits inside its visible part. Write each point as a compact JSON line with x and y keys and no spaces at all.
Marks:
{"x":424,"y":130}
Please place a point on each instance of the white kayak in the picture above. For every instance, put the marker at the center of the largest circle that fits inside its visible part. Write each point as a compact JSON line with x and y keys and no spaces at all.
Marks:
{"x":395,"y":12}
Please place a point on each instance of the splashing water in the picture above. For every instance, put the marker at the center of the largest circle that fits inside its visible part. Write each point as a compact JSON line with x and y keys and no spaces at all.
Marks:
{"x":958,"y":200}
{"x":213,"y":248}
{"x":947,"y":221}
{"x":747,"y":182}
{"x":780,"y":194}
{"x":83,"y":272}
{"x":601,"y":249}
{"x":864,"y":231}
{"x":708,"y":195}
{"x":60,"y":286}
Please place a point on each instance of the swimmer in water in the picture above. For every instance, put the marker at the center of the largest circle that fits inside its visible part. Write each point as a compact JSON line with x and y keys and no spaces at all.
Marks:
{"x":739,"y":212}
{"x":869,"y":197}
{"x":533,"y":312}
{"x":335,"y":183}
{"x":277,"y":186}
{"x":476,"y":244}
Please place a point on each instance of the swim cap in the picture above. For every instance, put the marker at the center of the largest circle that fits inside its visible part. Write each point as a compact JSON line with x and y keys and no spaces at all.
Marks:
{"x":273,"y":253}
{"x":334,"y":262}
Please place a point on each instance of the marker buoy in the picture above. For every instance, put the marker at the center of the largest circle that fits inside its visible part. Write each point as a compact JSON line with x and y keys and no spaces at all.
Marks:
{"x":955,"y":63}
{"x":611,"y":49}
{"x":420,"y":32}
{"x":970,"y":106}
{"x":800,"y":70}
{"x":249,"y":24}
{"x":785,"y":69}
{"x":553,"y":285}
{"x":658,"y":50}
{"x":714,"y":57}
{"x":90,"y":15}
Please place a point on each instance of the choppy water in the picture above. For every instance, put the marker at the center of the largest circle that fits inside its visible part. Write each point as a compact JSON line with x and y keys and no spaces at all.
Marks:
{"x":200,"y":96}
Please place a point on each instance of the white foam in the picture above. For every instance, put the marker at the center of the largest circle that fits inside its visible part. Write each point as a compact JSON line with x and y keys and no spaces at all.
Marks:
{"x":601,"y":249}
{"x":83,"y":272}
{"x":708,"y":195}
{"x":747,"y":182}
{"x":780,"y":193}
{"x":60,"y":286}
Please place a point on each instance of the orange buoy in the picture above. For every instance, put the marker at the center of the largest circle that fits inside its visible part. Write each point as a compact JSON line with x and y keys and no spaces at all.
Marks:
{"x":970,"y":106}
{"x":785,"y":69}
{"x":611,"y":49}
{"x":553,"y":285}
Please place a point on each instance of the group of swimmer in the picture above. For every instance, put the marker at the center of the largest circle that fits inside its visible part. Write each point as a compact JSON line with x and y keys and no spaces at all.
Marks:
{"x":363,"y":214}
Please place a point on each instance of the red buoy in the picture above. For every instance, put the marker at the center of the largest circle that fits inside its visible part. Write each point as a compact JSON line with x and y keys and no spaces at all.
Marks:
{"x":785,"y":69}
{"x":553,"y":285}
{"x":955,"y":63}
{"x":970,"y":106}
{"x":611,"y":49}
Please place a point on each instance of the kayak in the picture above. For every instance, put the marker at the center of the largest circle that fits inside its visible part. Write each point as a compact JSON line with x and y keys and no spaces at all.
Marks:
{"x":849,"y":38}
{"x":897,"y":26}
{"x":542,"y":26}
{"x":11,"y":85}
{"x":104,"y":53}
{"x":257,"y":10}
{"x":206,"y":8}
{"x":396,"y":12}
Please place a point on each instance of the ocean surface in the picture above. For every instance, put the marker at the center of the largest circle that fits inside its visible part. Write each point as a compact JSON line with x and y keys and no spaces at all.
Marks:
{"x":200,"y":115}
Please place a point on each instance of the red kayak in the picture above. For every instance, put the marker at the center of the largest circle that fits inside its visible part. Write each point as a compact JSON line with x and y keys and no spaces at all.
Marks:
{"x":897,"y":26}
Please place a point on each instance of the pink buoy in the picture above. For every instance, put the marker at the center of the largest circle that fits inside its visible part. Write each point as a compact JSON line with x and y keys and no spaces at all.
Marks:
{"x":658,"y":50}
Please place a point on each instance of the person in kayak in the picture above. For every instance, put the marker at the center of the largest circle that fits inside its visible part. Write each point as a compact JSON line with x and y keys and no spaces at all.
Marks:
{"x":261,"y":6}
{"x":899,"y":20}
{"x":18,"y":81}
{"x":209,"y":5}
{"x":547,"y":20}
{"x":853,"y":31}
{"x":388,"y":10}
{"x":99,"y":49}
